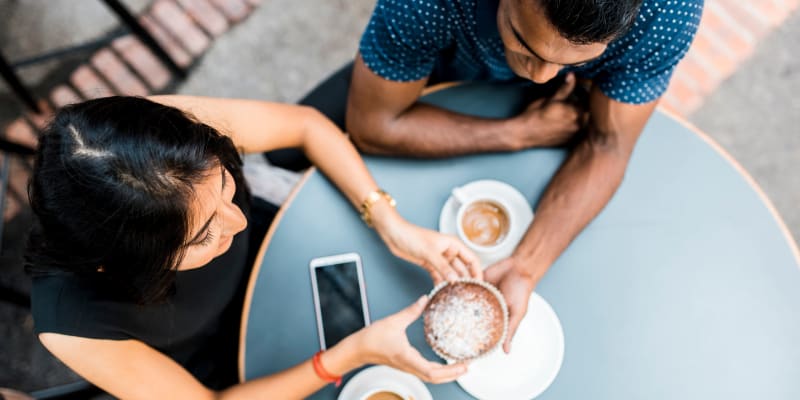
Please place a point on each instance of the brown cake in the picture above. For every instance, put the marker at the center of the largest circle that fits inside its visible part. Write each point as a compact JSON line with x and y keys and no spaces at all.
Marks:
{"x":465,"y":319}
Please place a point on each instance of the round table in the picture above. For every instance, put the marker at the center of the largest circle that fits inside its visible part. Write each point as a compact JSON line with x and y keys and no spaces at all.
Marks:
{"x":686,"y":286}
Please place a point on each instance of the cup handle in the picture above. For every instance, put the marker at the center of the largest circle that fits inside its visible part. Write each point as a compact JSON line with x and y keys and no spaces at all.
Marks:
{"x":459,"y":195}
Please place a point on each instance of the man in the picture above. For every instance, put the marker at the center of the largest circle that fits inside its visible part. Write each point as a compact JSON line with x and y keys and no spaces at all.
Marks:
{"x":627,"y":48}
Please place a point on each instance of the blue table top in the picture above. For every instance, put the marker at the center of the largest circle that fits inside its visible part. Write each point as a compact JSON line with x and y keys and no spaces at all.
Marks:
{"x":686,"y":286}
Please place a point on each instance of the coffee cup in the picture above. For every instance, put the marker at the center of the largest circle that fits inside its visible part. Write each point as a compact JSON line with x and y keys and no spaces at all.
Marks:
{"x":483,"y":221}
{"x":386,"y":391}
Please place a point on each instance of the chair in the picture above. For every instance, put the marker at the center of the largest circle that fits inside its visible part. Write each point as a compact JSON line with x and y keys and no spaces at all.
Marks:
{"x":7,"y":149}
{"x":80,"y":390}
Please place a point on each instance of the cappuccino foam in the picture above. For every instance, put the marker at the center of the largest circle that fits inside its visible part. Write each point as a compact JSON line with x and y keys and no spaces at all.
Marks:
{"x":485,"y":223}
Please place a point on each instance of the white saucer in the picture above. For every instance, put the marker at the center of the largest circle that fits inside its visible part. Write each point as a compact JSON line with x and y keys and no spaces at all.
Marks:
{"x":537,"y":351}
{"x":521,"y":214}
{"x":373,"y":377}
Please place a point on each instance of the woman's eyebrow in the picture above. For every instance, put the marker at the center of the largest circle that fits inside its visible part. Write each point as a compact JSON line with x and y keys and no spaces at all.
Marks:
{"x":204,"y":228}
{"x":196,"y":239}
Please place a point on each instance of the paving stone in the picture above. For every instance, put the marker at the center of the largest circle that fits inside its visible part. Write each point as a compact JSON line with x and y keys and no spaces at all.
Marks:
{"x":206,"y":15}
{"x":145,"y":63}
{"x":775,"y":11}
{"x":234,"y":10}
{"x":17,"y":188}
{"x":89,"y":83}
{"x":682,"y":97}
{"x":722,"y":32}
{"x":167,"y":42}
{"x":696,"y":75}
{"x":117,"y":74}
{"x":175,"y":20}
{"x":41,"y":119}
{"x":19,"y":131}
{"x":63,"y":95}
{"x":743,"y":13}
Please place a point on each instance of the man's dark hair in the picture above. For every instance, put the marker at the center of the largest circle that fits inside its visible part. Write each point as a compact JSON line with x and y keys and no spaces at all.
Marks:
{"x":112,"y":187}
{"x":591,"y":21}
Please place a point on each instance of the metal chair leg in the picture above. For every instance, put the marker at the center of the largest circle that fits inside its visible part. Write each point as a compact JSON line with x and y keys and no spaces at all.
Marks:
{"x":16,"y":85}
{"x":71,"y":391}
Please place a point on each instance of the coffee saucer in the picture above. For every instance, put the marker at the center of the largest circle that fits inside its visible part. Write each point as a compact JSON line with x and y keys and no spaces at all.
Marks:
{"x":381,"y":376}
{"x":537,"y":352}
{"x":521,"y":214}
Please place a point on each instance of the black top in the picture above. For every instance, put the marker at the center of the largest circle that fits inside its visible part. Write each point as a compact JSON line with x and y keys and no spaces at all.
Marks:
{"x":198,"y":326}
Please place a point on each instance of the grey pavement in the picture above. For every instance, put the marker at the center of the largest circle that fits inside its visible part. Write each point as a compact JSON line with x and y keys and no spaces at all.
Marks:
{"x":755,"y":115}
{"x":282,"y":51}
{"x":285,"y":47}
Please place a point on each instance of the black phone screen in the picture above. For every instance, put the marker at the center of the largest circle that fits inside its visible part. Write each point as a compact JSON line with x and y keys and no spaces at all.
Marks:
{"x":341,"y":309}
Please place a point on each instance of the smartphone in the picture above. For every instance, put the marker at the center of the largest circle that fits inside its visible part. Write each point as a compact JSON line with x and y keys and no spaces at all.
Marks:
{"x":340,"y":300}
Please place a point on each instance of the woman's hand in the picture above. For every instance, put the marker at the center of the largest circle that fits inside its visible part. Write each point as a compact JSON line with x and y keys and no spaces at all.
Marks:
{"x":385,"y":342}
{"x":443,"y":256}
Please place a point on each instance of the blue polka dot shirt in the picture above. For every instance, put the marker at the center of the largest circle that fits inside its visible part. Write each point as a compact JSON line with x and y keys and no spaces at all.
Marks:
{"x":457,"y":40}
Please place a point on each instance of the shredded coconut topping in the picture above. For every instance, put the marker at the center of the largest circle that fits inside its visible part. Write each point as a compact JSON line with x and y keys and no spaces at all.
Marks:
{"x":464,"y":320}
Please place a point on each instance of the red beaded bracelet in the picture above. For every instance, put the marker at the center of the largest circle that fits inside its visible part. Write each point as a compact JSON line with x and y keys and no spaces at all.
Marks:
{"x":322,"y":373}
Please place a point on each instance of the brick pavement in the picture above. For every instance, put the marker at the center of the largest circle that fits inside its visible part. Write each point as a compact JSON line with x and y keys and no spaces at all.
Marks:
{"x":728,"y":33}
{"x":184,"y":28}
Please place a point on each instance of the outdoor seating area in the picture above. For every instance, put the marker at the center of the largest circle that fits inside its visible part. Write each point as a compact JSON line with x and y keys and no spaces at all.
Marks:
{"x":176,"y":189}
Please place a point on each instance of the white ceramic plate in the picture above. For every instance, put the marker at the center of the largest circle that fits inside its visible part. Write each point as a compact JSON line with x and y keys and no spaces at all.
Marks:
{"x":381,"y":376}
{"x":521,"y":214}
{"x":537,"y":352}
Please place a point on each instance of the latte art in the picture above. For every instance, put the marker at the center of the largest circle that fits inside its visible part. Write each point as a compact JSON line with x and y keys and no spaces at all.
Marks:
{"x":485,"y":223}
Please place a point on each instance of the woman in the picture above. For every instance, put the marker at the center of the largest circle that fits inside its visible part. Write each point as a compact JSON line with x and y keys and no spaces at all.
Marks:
{"x":138,"y":255}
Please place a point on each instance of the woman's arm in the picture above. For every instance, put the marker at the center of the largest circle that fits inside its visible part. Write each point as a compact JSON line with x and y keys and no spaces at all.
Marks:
{"x":130,"y":369}
{"x":444,"y":257}
{"x":257,"y":126}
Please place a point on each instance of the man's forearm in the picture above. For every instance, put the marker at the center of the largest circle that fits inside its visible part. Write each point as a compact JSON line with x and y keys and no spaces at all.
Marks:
{"x":429,"y":131}
{"x":578,"y":192}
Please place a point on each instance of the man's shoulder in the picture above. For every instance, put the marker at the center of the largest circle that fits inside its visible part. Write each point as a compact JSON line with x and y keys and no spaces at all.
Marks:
{"x":661,"y":23}
{"x":660,"y":12}
{"x":430,"y":6}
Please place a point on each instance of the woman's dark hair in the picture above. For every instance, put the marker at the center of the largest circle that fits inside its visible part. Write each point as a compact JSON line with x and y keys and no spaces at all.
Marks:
{"x":591,"y":21}
{"x":112,"y":188}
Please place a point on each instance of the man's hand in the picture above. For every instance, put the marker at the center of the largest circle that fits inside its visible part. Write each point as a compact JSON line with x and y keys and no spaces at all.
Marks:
{"x":548,"y":121}
{"x":516,"y":287}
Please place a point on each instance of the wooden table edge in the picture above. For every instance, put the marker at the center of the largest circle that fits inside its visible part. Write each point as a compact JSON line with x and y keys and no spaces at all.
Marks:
{"x":257,"y":265}
{"x":793,"y":246}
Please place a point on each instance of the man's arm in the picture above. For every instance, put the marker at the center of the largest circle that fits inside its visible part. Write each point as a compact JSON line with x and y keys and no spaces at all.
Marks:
{"x":577,"y":193}
{"x":385,"y":117}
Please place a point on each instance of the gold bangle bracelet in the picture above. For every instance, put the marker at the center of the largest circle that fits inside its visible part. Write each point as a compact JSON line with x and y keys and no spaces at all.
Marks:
{"x":372,"y":198}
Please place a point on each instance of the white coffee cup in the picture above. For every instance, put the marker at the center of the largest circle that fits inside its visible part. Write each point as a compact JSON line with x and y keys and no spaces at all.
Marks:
{"x":390,"y":388}
{"x":495,"y":205}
